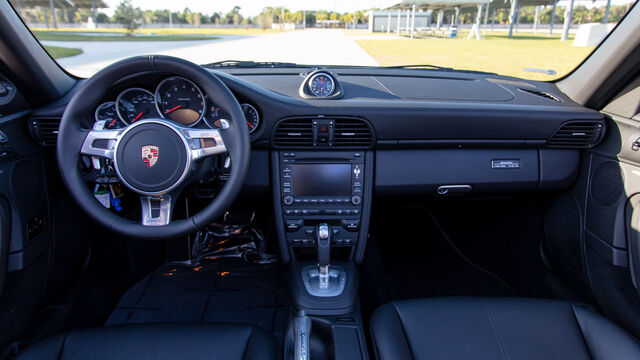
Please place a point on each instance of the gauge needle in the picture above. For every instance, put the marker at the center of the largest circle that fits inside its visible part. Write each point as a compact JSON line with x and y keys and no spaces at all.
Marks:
{"x":113,"y":122}
{"x":173,"y":109}
{"x":248,"y":123}
{"x":137,"y":117}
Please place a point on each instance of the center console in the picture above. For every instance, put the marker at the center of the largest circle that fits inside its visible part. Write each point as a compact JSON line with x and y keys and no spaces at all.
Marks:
{"x":328,"y":187}
{"x":322,"y":202}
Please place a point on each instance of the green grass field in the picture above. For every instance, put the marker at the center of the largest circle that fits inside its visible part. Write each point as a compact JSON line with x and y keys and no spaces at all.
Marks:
{"x":167,"y":31}
{"x":70,"y":36}
{"x":58,"y":52}
{"x":496,"y":53}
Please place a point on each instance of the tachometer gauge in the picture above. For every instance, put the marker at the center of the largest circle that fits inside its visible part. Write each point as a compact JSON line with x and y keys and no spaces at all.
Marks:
{"x":251,"y":114}
{"x":136,"y":104}
{"x":107,"y":117}
{"x":321,"y":85}
{"x":180,"y":100}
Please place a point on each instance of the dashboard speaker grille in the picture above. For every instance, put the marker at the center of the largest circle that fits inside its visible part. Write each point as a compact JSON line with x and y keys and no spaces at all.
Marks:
{"x":45,"y":130}
{"x":352,"y":133}
{"x":577,"y":134}
{"x":294,"y":133}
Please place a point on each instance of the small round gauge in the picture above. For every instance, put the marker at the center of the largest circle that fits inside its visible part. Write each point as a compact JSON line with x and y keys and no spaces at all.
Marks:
{"x":214,"y":115}
{"x":251,"y":114}
{"x":321,"y":85}
{"x":136,"y":104}
{"x":107,"y":117}
{"x":180,"y":100}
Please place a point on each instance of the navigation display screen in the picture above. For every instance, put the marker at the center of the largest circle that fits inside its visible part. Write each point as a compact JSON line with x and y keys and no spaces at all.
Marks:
{"x":321,"y":179}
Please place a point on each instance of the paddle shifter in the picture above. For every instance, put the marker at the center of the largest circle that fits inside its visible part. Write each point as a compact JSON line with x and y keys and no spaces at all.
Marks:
{"x":323,"y":239}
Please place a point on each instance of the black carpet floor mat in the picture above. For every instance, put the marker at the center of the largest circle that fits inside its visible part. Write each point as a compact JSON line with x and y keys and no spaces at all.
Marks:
{"x":236,"y":293}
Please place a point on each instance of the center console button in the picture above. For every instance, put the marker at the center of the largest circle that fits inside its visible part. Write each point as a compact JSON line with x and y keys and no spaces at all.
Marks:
{"x":293,"y":225}
{"x":351,"y":225}
{"x":356,"y":199}
{"x":288,"y":200}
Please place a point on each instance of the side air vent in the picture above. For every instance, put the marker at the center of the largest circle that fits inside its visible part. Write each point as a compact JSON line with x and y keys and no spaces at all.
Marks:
{"x":352,"y":133}
{"x":45,"y":130}
{"x":294,"y":133}
{"x":577,"y":134}
{"x":539,"y":93}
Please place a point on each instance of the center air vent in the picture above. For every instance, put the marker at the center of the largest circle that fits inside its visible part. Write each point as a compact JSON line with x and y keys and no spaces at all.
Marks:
{"x":577,"y":134}
{"x":342,"y":132}
{"x":45,"y":130}
{"x":294,"y":133}
{"x":539,"y":93}
{"x":352,"y":133}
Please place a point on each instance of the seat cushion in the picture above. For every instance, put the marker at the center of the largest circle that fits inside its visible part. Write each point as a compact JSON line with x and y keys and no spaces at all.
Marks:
{"x":159,"y":342}
{"x":498,"y":328}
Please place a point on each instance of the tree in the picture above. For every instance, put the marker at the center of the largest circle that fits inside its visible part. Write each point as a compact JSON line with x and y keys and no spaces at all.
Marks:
{"x":128,"y":16}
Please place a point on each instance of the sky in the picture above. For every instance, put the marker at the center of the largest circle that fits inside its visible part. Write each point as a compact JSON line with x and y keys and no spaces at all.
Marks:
{"x":254,"y":7}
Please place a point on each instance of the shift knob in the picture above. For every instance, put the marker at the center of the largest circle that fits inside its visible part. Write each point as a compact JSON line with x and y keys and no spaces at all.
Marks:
{"x":323,"y":238}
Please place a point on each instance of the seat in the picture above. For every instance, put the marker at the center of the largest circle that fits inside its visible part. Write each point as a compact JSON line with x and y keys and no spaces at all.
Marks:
{"x":496,"y":328}
{"x":159,"y":342}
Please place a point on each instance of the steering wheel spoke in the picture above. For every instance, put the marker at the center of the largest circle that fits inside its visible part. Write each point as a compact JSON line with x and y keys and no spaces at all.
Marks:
{"x":156,"y":210}
{"x":100,"y":143}
{"x":204,"y":142}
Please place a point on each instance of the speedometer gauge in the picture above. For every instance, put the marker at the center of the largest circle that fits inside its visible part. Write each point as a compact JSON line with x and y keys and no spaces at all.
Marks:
{"x":321,"y":85}
{"x":180,"y":100}
{"x":136,"y":104}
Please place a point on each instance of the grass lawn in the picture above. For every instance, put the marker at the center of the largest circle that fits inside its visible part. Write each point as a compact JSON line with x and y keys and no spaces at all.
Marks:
{"x":58,"y":52}
{"x":496,"y":53}
{"x":167,"y":31}
{"x":70,"y":36}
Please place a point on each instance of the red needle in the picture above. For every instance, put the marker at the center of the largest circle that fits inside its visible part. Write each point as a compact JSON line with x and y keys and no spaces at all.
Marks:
{"x":248,"y":123}
{"x":113,"y":122}
{"x":137,"y":117}
{"x":175,"y":108}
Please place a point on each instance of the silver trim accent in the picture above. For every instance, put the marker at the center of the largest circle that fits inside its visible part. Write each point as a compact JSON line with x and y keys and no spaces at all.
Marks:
{"x":165,"y":210}
{"x":333,"y":84}
{"x":257,"y":115}
{"x":157,"y":98}
{"x":126,"y":90}
{"x":200,"y":152}
{"x":337,"y":279}
{"x":112,"y":136}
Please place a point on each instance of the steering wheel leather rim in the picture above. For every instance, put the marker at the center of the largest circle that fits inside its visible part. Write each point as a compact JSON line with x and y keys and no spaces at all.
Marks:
{"x":71,"y":137}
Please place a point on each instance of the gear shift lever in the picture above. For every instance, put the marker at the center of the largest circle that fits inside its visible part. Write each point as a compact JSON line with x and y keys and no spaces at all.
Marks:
{"x":323,"y":239}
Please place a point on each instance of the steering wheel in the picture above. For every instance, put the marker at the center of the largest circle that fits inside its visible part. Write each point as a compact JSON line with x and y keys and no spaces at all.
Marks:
{"x":155,"y":158}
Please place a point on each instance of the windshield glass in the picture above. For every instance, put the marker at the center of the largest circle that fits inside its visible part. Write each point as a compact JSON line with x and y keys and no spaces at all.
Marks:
{"x":532,"y":39}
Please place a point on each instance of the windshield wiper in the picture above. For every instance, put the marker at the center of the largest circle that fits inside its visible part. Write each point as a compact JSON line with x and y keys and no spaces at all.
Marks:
{"x":250,"y":64}
{"x":437,"y":68}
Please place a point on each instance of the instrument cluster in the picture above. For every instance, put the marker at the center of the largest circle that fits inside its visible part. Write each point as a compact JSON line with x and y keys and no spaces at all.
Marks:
{"x":175,"y":98}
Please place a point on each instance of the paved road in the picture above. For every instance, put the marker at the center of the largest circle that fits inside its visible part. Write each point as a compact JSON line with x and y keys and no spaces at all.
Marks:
{"x":312,"y":46}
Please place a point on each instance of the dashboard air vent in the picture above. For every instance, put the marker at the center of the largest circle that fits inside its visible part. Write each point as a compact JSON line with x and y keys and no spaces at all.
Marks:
{"x":294,"y":133}
{"x":352,"y":133}
{"x":539,"y":93}
{"x":577,"y":134}
{"x":45,"y":130}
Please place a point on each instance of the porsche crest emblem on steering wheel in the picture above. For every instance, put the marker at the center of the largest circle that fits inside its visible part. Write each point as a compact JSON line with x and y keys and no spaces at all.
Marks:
{"x":150,"y":155}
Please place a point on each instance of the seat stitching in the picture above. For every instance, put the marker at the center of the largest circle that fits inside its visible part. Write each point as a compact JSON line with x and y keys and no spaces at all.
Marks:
{"x":494,"y":327}
{"x":64,"y":341}
{"x":586,"y":344}
{"x":403,"y":330}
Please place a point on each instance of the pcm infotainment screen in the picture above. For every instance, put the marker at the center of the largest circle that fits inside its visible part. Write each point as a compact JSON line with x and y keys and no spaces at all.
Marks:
{"x":321,"y":179}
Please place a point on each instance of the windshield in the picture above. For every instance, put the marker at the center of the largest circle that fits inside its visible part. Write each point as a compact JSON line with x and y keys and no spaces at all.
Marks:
{"x":531,"y":39}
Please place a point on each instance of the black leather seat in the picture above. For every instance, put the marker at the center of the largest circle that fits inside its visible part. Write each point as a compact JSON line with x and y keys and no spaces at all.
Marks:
{"x":500,"y":328}
{"x":159,"y":342}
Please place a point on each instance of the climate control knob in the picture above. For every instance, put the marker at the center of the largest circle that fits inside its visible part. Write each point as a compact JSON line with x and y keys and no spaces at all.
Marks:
{"x":356,"y":199}
{"x":288,"y":200}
